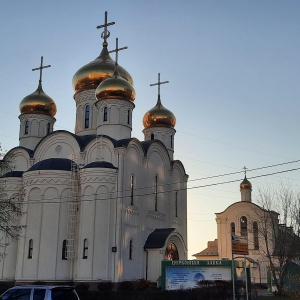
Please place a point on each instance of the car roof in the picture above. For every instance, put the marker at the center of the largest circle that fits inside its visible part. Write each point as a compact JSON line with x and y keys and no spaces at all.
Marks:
{"x":43,"y":287}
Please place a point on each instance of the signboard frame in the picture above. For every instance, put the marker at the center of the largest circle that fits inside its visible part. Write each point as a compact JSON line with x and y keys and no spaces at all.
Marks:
{"x":190,"y":265}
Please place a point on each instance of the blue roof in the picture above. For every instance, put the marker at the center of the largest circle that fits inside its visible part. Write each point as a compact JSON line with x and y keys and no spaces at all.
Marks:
{"x":52,"y":164}
{"x":13,"y":174}
{"x":100,"y":164}
{"x":157,"y":238}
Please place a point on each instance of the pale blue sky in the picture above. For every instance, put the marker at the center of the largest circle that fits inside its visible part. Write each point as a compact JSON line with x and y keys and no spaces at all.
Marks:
{"x":233,"y":67}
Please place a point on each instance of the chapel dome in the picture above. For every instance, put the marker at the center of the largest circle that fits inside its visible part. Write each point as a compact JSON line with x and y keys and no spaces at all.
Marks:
{"x":38,"y":103}
{"x":115,"y":87}
{"x":245,"y":184}
{"x":92,"y":74}
{"x":159,"y":116}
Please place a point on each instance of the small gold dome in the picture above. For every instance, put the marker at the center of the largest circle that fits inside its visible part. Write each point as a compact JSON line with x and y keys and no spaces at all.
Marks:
{"x":93,"y":73}
{"x":159,"y":116}
{"x":115,"y":88}
{"x":38,"y":103}
{"x":246,"y":184}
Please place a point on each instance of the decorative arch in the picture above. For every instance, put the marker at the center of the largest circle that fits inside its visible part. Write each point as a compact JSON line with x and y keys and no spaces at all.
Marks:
{"x":60,"y":144}
{"x":176,"y":239}
{"x":102,"y":152}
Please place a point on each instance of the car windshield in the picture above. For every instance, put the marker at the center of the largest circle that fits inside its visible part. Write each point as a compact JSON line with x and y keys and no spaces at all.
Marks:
{"x":63,"y":294}
{"x":16,"y":294}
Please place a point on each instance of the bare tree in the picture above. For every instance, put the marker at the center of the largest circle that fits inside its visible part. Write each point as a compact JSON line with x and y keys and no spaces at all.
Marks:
{"x":10,"y":205}
{"x":279,"y":231}
{"x":6,"y":164}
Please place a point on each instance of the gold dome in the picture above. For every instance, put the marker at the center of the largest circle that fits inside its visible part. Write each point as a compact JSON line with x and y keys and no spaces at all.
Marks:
{"x":245,"y":184}
{"x":93,"y":73}
{"x":115,"y":88}
{"x":159,"y":116}
{"x":38,"y":103}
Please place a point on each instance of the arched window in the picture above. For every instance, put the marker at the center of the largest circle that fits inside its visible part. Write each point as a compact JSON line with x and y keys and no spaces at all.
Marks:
{"x":131,"y":188}
{"x":87,"y":117}
{"x":48,"y":128}
{"x":255,"y":236}
{"x":128,"y":117}
{"x":64,"y":250}
{"x":244,"y":226}
{"x":152,"y":136}
{"x":105,"y":113}
{"x":232,"y":228}
{"x":155,"y":193}
{"x":85,"y":248}
{"x":130,"y":248}
{"x":26,"y":127}
{"x":172,"y":141}
{"x":176,"y":204}
{"x":171,"y":252}
{"x":30,"y":248}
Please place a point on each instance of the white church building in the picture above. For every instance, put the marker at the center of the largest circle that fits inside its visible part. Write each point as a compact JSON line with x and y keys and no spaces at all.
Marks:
{"x":99,"y":205}
{"x":250,"y":221}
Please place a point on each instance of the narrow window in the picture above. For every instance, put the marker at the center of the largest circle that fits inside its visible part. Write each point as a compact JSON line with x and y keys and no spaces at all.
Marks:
{"x":48,"y":128}
{"x":105,"y":114}
{"x":172,"y":141}
{"x":155,"y":193}
{"x":30,"y":248}
{"x":176,"y":204}
{"x":152,"y":136}
{"x":244,"y":227}
{"x":130,"y":249}
{"x":26,"y":127}
{"x":87,"y":117}
{"x":64,"y":250}
{"x":85,"y":248}
{"x":255,"y":236}
{"x":131,"y":189}
{"x":128,"y":117}
{"x":232,"y":228}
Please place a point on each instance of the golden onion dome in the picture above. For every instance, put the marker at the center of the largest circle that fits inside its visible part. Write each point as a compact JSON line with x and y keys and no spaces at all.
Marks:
{"x":92,"y":74}
{"x":115,"y":87}
{"x":38,"y":103}
{"x":245,"y":184}
{"x":159,"y":116}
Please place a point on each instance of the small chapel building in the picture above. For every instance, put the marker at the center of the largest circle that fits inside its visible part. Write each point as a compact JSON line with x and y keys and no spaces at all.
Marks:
{"x":248,"y":220}
{"x":99,"y":205}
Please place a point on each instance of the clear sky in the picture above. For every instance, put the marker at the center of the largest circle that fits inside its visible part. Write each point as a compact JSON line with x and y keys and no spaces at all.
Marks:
{"x":233,"y":68}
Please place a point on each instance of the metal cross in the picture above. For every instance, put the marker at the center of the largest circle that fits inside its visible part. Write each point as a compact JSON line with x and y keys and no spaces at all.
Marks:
{"x":41,"y":68}
{"x":245,"y":170}
{"x":117,"y":49}
{"x":105,"y":34}
{"x":159,"y":83}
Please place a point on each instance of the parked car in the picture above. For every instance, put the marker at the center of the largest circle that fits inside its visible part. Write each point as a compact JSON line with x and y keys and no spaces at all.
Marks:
{"x":40,"y":292}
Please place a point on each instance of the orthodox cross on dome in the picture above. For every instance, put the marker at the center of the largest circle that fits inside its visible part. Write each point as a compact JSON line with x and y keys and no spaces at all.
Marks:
{"x":245,"y":170}
{"x":117,"y":49}
{"x":159,"y":83}
{"x":105,"y":34}
{"x":41,"y":69}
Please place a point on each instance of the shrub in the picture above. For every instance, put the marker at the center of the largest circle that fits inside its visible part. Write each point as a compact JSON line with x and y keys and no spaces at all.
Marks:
{"x":143,"y":285}
{"x":105,"y":286}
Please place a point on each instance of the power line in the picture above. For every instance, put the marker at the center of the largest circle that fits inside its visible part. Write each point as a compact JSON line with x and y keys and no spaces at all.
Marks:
{"x":248,"y":170}
{"x":145,"y":194}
